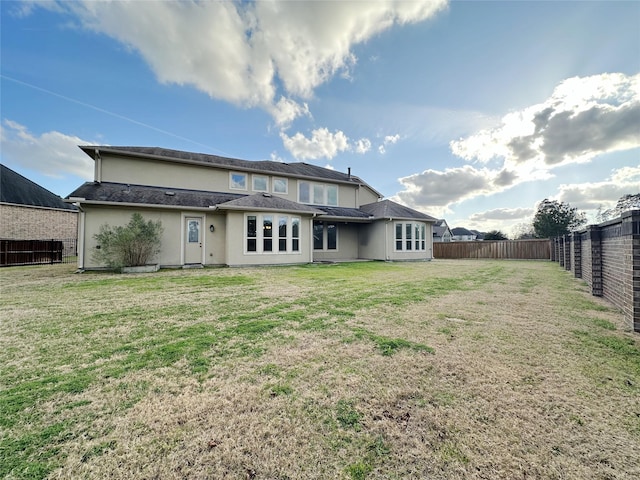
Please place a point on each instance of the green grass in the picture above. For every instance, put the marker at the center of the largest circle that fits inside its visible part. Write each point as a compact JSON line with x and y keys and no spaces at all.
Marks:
{"x":358,"y":357}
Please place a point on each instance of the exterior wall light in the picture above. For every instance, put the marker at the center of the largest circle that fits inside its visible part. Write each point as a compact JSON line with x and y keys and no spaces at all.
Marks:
{"x":211,"y":228}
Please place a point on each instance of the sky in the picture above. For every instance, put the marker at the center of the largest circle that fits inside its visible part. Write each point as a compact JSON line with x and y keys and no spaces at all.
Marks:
{"x":472,"y":111}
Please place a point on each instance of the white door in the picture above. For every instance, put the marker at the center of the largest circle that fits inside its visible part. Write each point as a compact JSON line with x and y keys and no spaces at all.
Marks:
{"x":193,"y":240}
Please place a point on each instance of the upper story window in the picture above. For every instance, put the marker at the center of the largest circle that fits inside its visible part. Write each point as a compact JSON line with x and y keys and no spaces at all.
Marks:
{"x":260,"y":183}
{"x":237,"y":181}
{"x":280,"y":185}
{"x":317,"y":193}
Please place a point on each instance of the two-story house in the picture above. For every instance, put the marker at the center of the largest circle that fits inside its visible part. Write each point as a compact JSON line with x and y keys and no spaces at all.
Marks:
{"x":224,"y":211}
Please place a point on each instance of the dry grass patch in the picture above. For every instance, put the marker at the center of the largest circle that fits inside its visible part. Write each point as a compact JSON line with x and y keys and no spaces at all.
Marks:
{"x":448,"y":369}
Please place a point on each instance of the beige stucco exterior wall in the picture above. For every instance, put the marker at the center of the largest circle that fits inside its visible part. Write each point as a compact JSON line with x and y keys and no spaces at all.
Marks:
{"x":19,"y":222}
{"x":377,"y":242}
{"x":195,"y":177}
{"x":172,"y":253}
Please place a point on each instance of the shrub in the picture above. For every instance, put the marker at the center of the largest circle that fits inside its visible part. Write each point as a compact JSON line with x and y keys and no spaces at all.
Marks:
{"x":128,"y":246}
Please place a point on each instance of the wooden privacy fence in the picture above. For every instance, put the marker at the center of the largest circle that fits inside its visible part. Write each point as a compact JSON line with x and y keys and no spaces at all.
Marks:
{"x":498,"y":249}
{"x":36,"y":252}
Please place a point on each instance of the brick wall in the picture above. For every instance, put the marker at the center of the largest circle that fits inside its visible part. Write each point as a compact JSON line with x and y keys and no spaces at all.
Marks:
{"x":37,"y":223}
{"x":608,"y":259}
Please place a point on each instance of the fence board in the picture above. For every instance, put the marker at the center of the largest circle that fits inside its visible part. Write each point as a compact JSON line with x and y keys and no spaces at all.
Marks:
{"x":496,"y":249}
{"x":36,"y":252}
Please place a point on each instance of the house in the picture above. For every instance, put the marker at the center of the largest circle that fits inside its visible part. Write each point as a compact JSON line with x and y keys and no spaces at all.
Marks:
{"x":31,"y":212}
{"x":224,"y":211}
{"x":441,"y":231}
{"x":460,"y":234}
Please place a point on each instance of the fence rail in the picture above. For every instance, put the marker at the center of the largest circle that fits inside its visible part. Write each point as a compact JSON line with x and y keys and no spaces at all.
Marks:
{"x":496,"y":249}
{"x":37,"y":252}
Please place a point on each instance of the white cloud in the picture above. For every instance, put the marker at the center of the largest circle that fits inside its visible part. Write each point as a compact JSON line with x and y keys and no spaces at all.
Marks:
{"x":322,"y":144}
{"x":388,"y":140}
{"x":270,"y":55}
{"x":502,"y":214}
{"x":605,"y":194}
{"x":433,"y":191}
{"x":583,"y":118}
{"x":51,"y":153}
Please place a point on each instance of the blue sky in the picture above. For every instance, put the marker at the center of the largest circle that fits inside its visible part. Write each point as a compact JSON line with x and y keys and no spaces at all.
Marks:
{"x":470,"y":111}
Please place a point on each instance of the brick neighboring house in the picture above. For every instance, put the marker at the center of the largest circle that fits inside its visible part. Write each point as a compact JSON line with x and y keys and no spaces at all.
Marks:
{"x":31,"y":212}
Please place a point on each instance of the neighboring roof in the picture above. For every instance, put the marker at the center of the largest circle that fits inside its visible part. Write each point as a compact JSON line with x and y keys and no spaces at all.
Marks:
{"x":142,"y":194}
{"x":266,"y":201}
{"x":439,"y":231}
{"x":389,"y":209}
{"x":18,"y":190}
{"x":461,"y":231}
{"x":297,"y":169}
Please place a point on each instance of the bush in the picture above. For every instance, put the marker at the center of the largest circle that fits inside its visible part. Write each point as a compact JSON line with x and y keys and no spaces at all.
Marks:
{"x":133,"y":245}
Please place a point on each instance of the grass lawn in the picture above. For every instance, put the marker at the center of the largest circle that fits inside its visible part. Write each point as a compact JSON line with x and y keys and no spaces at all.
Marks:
{"x":441,"y":370}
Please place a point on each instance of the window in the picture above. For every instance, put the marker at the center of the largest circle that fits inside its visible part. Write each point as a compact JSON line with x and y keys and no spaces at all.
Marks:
{"x":267,"y":233}
{"x":325,"y":235}
{"x":317,"y":193}
{"x":260,"y":183}
{"x":252,"y":233}
{"x":295,"y":234}
{"x":410,"y":236}
{"x":237,"y":181}
{"x":280,"y":185}
{"x":282,"y":234}
{"x":283,"y":237}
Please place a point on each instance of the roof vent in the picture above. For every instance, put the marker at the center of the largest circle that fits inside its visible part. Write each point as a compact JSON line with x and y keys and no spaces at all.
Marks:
{"x":268,"y":195}
{"x":170,"y":193}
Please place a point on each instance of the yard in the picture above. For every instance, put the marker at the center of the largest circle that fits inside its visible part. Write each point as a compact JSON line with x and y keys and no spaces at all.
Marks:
{"x":451,"y":369}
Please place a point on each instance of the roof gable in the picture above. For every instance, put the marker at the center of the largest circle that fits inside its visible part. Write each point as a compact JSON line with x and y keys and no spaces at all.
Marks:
{"x":16,"y":189}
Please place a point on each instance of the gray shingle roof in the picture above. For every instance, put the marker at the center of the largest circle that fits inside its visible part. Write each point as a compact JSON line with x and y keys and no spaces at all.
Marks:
{"x":298,"y":169}
{"x":16,"y":189}
{"x":344,"y":212}
{"x":389,"y":209}
{"x":143,"y":194}
{"x":266,"y":201}
{"x":461,"y":231}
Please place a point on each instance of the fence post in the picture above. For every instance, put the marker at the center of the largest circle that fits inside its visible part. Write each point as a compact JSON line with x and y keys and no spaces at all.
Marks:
{"x":596,"y":260}
{"x":577,"y":255}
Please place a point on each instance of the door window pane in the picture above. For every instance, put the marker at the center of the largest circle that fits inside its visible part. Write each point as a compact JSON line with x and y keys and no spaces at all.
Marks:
{"x":194,"y":231}
{"x":332,"y":236}
{"x":318,"y":235}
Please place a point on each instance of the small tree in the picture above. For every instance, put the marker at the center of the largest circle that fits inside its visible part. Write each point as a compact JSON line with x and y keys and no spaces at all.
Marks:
{"x":555,"y":218}
{"x":132,"y":245}
{"x":495,"y":235}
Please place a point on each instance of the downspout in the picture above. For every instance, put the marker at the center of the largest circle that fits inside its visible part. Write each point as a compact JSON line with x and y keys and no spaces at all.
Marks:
{"x":81,"y":242}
